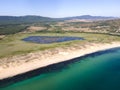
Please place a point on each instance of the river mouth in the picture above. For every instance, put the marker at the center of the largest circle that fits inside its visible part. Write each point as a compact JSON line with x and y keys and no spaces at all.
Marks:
{"x":50,"y":39}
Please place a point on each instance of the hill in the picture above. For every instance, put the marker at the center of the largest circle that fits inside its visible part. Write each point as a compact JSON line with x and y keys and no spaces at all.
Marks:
{"x":89,"y":17}
{"x":15,"y":24}
{"x":23,"y":19}
{"x":35,"y":19}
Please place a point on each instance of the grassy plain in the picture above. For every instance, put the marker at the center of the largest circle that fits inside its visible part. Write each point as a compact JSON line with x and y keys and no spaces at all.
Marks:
{"x":13,"y":44}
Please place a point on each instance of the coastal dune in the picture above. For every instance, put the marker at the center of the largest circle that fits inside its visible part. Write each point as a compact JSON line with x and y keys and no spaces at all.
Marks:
{"x":24,"y":63}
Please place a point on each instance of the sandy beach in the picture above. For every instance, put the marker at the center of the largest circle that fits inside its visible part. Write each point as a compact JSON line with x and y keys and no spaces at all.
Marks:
{"x":24,"y":63}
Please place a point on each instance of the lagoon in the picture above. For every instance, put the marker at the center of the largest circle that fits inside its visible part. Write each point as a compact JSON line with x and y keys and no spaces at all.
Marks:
{"x":50,"y":39}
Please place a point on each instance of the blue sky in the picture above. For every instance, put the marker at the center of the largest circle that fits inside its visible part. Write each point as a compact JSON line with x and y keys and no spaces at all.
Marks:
{"x":60,"y":8}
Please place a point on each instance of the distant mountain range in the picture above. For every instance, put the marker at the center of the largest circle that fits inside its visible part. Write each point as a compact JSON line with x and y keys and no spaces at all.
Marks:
{"x":89,"y":17}
{"x":35,"y":19}
{"x":23,"y":19}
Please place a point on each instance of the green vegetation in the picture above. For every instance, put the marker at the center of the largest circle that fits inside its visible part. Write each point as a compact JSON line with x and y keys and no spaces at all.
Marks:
{"x":13,"y":44}
{"x":11,"y":29}
{"x":12,"y":25}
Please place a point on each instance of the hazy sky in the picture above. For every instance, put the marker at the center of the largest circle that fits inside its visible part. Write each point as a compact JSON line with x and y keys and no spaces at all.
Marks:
{"x":60,"y":8}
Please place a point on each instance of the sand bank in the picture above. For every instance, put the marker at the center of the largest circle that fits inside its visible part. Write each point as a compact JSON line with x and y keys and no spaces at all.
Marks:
{"x":24,"y":63}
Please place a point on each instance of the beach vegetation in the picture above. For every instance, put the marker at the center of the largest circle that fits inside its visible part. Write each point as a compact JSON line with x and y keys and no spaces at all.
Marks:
{"x":14,"y":45}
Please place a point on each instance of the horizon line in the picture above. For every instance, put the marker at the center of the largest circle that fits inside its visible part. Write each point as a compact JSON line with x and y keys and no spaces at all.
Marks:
{"x":59,"y":17}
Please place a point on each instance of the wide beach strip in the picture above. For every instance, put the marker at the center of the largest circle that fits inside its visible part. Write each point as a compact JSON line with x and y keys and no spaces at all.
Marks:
{"x":37,"y":60}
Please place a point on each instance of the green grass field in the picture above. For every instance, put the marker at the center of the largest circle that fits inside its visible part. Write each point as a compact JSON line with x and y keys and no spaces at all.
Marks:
{"x":13,"y":45}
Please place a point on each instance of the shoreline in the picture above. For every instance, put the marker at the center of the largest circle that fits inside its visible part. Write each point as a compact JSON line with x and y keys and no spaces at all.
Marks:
{"x":37,"y":60}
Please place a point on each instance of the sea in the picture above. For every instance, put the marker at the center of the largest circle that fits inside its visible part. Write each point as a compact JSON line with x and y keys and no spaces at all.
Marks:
{"x":95,"y":71}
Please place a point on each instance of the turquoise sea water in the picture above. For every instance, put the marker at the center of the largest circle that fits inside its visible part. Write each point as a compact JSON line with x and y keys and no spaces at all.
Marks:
{"x":99,"y":71}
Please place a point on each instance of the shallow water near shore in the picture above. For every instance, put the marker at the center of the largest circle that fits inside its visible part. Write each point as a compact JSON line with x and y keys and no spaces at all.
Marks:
{"x":100,"y":71}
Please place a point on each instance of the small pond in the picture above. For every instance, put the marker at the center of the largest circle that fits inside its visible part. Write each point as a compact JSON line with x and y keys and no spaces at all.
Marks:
{"x":50,"y":39}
